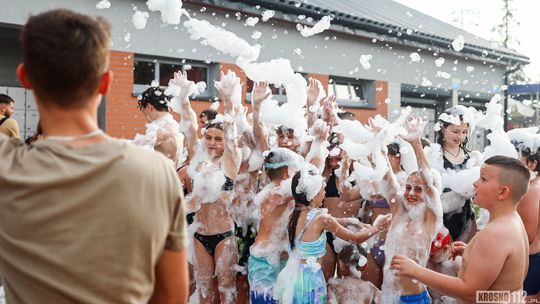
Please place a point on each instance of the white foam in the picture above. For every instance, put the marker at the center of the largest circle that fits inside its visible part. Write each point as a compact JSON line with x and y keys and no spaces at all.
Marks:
{"x":319,"y":27}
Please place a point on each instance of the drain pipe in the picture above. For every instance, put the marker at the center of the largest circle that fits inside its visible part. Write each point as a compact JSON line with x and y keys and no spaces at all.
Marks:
{"x":506,"y":96}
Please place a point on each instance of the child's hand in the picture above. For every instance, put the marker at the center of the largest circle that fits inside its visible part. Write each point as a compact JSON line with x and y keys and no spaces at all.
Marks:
{"x":457,"y":249}
{"x":382,"y":222}
{"x":228,"y":84}
{"x":261,"y":92}
{"x":187,"y":87}
{"x":328,"y":109}
{"x":404,"y":266}
{"x":415,"y":127}
{"x":312,"y":91}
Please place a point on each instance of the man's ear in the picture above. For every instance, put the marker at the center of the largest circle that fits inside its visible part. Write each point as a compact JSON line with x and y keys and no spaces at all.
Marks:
{"x":105,"y":82}
{"x":23,"y":77}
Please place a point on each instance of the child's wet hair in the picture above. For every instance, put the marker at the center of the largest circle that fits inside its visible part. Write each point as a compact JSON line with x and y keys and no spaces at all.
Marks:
{"x":156,"y":97}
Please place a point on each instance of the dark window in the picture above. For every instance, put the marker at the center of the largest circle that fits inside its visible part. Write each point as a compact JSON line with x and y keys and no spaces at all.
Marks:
{"x":166,"y":72}
{"x":162,"y":70}
{"x":144,"y":72}
{"x":352,"y":92}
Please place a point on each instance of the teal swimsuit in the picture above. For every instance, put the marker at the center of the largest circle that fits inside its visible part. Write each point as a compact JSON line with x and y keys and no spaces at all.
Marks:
{"x":309,"y":284}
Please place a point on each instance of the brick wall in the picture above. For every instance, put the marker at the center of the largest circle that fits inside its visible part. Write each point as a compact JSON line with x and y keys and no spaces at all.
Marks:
{"x":122,"y":118}
{"x":381,"y":107}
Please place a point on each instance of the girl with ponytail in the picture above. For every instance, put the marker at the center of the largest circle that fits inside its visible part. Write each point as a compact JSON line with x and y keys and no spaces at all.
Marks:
{"x":302,"y":280}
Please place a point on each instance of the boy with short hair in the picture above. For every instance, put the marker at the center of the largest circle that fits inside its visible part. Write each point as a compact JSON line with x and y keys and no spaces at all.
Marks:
{"x":268,"y":253}
{"x":496,"y":258}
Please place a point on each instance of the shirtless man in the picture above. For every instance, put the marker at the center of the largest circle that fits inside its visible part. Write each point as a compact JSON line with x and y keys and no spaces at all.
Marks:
{"x":268,"y":253}
{"x":496,"y":258}
{"x":417,"y":213}
{"x":161,"y":130}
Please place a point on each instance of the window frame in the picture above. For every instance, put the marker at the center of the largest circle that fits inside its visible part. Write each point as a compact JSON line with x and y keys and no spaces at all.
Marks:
{"x":140,"y":88}
{"x":369,"y":103}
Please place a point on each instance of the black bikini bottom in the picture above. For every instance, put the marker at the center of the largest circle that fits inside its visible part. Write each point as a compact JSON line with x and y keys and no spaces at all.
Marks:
{"x":211,"y":241}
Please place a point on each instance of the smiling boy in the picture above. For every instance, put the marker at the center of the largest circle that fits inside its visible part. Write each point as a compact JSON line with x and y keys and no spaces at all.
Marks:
{"x":496,"y":258}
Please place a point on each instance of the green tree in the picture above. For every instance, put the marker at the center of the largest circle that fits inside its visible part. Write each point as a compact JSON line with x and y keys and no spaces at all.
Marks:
{"x":506,"y":30}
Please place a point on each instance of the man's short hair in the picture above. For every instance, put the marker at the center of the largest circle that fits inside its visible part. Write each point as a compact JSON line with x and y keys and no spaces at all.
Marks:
{"x":210,"y":114}
{"x":512,"y":172}
{"x":6,"y":99}
{"x":65,"y":55}
{"x":156,"y":97}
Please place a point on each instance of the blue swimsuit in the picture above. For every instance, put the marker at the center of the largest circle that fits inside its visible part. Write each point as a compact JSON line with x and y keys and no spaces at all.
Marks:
{"x":309,"y":284}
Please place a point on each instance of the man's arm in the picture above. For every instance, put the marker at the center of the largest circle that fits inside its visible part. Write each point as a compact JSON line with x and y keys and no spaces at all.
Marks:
{"x":171,"y":278}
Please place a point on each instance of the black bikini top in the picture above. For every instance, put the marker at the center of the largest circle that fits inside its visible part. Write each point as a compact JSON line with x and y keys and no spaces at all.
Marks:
{"x":228,"y":185}
{"x":331,"y":189}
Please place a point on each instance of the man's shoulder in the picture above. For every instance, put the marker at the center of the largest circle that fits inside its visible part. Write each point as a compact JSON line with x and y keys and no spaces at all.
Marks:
{"x":140,"y":155}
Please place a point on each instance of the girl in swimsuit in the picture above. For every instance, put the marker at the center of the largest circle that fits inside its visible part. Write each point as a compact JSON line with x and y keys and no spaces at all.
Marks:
{"x":302,"y":280}
{"x":215,"y":251}
{"x":453,"y":141}
{"x":339,"y":200}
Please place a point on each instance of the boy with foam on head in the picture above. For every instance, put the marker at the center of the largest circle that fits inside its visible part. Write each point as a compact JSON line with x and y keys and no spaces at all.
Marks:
{"x":496,"y":258}
{"x":268,"y":253}
{"x":417,"y":214}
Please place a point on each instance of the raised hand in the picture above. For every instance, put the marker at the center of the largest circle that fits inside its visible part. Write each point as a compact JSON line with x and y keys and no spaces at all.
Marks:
{"x":329,"y":105}
{"x":312,"y":91}
{"x":229,"y":84}
{"x":260,"y":92}
{"x":415,"y":127}
{"x":320,"y":129}
{"x":187,"y":87}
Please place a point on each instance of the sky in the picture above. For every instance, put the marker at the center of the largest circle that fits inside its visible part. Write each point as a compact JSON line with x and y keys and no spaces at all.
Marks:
{"x":481,"y":16}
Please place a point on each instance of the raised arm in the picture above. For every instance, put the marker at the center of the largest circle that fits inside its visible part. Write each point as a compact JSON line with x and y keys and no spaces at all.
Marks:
{"x":181,"y":104}
{"x":260,"y":93}
{"x":415,"y":127}
{"x":312,"y":102}
{"x":390,"y":187}
{"x":315,"y":155}
{"x":228,"y":87}
{"x":347,"y":191}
